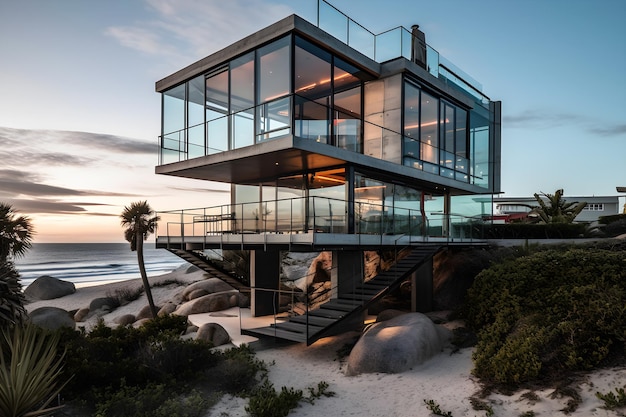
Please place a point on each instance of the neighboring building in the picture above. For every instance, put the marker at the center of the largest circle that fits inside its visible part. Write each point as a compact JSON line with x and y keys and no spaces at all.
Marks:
{"x":328,"y":145}
{"x":516,"y":208}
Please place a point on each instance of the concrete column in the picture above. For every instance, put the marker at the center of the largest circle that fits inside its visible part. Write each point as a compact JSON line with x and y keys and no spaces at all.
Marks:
{"x":422,"y":288}
{"x":264,"y":275}
{"x":347,"y":271}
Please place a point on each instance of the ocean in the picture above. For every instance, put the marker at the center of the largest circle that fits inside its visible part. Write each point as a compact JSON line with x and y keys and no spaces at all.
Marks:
{"x":87,"y":264}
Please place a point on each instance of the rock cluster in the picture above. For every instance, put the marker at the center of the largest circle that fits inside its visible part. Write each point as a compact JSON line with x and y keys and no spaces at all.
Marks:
{"x":205,"y":296}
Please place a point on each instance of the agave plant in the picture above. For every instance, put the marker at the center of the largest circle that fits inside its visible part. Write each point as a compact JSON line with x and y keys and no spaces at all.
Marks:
{"x":29,"y":371}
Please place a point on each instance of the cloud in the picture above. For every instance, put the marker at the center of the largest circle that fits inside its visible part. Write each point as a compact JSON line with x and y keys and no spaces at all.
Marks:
{"x":22,"y":183}
{"x":49,"y":206}
{"x":545,"y":119}
{"x":615,"y":130}
{"x":194,"y":28}
{"x":14,"y":139}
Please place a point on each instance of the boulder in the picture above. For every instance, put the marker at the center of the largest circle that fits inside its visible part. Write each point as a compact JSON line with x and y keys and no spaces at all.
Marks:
{"x":397,"y":345}
{"x":52,"y":318}
{"x":211,"y":286}
{"x":81,"y":314}
{"x":168,"y":308}
{"x":46,"y":288}
{"x":146,"y":312}
{"x":125,"y":319}
{"x":206,"y":304}
{"x":104,"y":303}
{"x":213,"y":333}
{"x":200,"y":292}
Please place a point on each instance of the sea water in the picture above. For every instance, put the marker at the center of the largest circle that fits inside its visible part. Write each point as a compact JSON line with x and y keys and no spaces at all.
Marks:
{"x":92,"y":263}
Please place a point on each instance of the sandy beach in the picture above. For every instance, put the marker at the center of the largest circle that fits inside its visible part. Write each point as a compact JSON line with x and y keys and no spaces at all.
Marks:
{"x":445,"y":378}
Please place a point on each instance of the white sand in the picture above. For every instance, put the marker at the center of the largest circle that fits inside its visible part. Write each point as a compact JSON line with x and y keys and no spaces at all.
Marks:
{"x":445,"y":378}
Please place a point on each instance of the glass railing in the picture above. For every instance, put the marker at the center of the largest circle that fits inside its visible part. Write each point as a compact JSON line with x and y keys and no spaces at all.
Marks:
{"x":391,"y":44}
{"x":377,"y":142}
{"x":315,"y":215}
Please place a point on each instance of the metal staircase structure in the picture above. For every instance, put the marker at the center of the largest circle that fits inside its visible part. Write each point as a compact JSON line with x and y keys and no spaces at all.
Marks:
{"x":347,"y":307}
{"x":211,"y":269}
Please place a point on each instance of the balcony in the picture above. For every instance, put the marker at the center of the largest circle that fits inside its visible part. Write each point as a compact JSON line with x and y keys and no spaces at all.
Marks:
{"x":394,"y":43}
{"x":313,"y":224}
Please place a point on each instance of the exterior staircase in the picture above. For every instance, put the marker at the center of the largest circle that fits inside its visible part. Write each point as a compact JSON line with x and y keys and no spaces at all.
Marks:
{"x":211,"y":269}
{"x":348,"y":307}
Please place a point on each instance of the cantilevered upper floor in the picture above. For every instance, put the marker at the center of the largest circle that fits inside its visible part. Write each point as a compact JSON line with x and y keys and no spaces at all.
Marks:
{"x":332,"y":111}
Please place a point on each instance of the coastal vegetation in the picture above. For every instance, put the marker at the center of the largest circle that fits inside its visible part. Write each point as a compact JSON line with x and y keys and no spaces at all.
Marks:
{"x":550,"y":312}
{"x":16,"y":236}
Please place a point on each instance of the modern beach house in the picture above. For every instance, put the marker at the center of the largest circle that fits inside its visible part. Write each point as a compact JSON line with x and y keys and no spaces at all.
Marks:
{"x":332,"y":138}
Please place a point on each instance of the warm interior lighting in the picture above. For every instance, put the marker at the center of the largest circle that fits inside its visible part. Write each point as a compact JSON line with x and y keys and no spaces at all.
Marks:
{"x":423,"y":124}
{"x":321,"y":82}
{"x":371,"y":187}
{"x":330,"y":179}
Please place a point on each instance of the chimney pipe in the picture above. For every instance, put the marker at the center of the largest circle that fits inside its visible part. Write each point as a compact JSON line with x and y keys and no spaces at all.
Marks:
{"x":418,"y":46}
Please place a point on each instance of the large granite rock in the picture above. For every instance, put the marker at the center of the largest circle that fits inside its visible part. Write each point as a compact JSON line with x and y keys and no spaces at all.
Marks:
{"x":52,"y":318}
{"x":213,"y":333}
{"x":207,"y":304}
{"x":47,"y":288}
{"x":208,"y":286}
{"x":397,"y":345}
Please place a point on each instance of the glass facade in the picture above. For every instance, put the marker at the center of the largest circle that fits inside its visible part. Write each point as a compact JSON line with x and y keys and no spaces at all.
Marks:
{"x":293,"y":87}
{"x":256,"y":97}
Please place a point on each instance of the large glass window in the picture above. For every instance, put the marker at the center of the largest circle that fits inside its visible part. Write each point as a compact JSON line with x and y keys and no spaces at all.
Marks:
{"x":383,"y":105}
{"x":195,"y":117}
{"x":411,"y":125}
{"x":242,"y":83}
{"x":216,"y":110}
{"x":347,"y":119}
{"x":479,"y":149}
{"x":173,"y":124}
{"x":429,"y":128}
{"x":174,"y":109}
{"x":312,"y":70}
{"x":273,"y":70}
{"x":242,"y":101}
{"x":274,"y":114}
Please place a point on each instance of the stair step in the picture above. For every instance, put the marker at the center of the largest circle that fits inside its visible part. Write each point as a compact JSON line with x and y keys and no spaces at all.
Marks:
{"x":339,"y":306}
{"x":327,"y":313}
{"x":313,"y":320}
{"x":274,"y":332}
{"x":297,"y":327}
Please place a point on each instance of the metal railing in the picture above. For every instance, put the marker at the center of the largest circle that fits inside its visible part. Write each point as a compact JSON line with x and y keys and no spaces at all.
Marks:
{"x":315,"y":215}
{"x":393,"y":43}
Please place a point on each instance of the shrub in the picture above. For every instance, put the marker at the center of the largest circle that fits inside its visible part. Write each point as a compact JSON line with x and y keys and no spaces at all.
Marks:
{"x":551,"y":311}
{"x":612,"y":401}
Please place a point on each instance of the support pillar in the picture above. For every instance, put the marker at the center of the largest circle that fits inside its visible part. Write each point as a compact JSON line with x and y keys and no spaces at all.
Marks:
{"x":422,"y":288}
{"x":264,"y":282}
{"x":347,"y":271}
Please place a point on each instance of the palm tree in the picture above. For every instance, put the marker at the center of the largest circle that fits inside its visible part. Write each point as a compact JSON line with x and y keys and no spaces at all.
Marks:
{"x":557,"y":209}
{"x":140,"y":220}
{"x":16,"y":233}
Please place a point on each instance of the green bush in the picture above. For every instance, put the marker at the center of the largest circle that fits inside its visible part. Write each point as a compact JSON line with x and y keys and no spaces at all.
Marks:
{"x":151,"y":371}
{"x":154,"y":400}
{"x":265,"y":401}
{"x":612,"y":401}
{"x":554,"y":310}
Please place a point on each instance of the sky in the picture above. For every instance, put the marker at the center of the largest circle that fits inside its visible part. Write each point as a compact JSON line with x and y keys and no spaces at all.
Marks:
{"x":80,"y":118}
